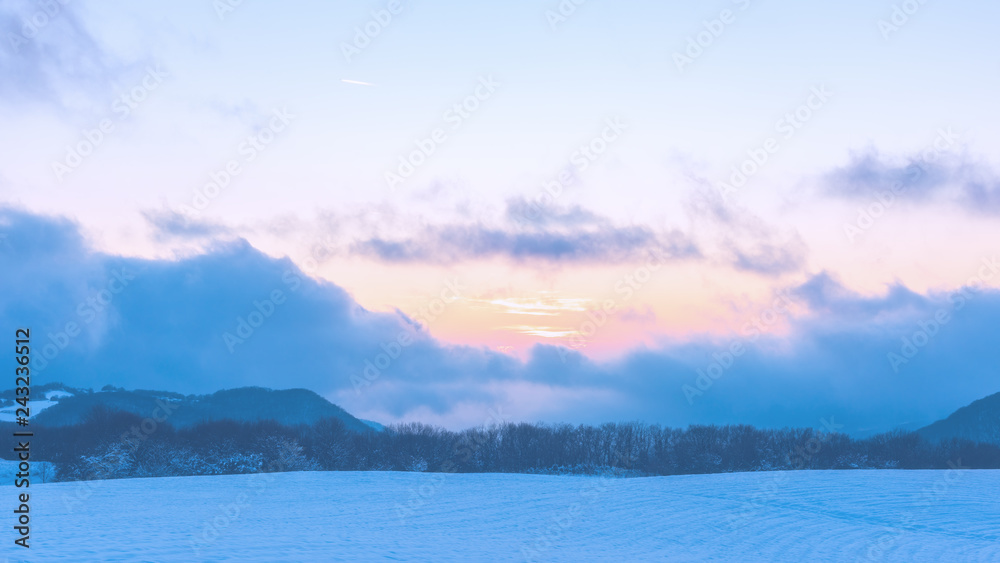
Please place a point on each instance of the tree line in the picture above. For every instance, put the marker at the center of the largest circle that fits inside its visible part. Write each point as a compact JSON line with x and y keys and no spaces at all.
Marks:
{"x":109,"y":444}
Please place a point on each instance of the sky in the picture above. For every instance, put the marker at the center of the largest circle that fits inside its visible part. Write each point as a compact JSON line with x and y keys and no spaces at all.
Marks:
{"x":737,"y":211}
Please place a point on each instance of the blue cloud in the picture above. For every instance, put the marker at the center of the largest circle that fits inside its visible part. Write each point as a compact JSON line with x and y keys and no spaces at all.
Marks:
{"x":749,"y":244}
{"x":973,"y":185}
{"x":768,"y":258}
{"x":48,"y":55}
{"x":170,"y":225}
{"x":99,"y":319}
{"x":453,"y":243}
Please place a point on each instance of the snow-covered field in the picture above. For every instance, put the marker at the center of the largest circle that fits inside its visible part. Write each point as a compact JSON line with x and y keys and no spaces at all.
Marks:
{"x":349,"y":516}
{"x":41,"y":471}
{"x":8,"y":411}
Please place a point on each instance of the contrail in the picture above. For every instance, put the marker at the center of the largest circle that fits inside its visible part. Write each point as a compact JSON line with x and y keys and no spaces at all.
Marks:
{"x":356,"y":82}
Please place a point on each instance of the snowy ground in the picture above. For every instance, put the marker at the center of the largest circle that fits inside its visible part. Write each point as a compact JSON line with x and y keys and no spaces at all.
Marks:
{"x":41,"y":471}
{"x":8,"y":411}
{"x":795,"y":516}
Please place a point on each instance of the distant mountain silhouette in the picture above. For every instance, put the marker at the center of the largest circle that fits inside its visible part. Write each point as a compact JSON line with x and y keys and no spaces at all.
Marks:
{"x":979,"y":422}
{"x":59,"y":405}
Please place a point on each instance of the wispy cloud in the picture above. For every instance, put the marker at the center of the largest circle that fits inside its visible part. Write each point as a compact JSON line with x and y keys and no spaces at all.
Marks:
{"x":454,"y":243}
{"x":168,"y":225}
{"x":769,"y":256}
{"x":538,"y":306}
{"x":745,"y":241}
{"x":60,"y":62}
{"x":975,"y":186}
{"x":543,"y":331}
{"x":561,"y":235}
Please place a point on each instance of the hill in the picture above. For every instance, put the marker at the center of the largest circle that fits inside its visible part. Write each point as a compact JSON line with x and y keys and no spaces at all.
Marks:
{"x":978,"y":421}
{"x":64,"y":406}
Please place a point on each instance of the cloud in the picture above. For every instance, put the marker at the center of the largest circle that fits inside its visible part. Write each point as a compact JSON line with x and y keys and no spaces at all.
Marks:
{"x":229,"y":317}
{"x":836,"y":360}
{"x":170,"y":225}
{"x":561,"y":235}
{"x":453,"y":243}
{"x":869,"y":172}
{"x":746,"y":242}
{"x":525,"y":213}
{"x":823,"y":294}
{"x":97,"y":319}
{"x":47,"y":54}
{"x":975,"y":186}
{"x":769,"y":257}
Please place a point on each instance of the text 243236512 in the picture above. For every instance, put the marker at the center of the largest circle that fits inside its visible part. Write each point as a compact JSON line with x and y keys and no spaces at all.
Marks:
{"x":22,"y":436}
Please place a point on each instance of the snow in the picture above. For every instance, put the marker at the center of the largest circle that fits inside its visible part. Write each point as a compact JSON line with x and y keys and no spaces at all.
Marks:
{"x":373,"y":425}
{"x":353,"y":516}
{"x":40,"y":471}
{"x":7,"y":414}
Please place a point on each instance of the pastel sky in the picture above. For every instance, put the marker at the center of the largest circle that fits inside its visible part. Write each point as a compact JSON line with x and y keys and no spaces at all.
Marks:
{"x":580,"y":205}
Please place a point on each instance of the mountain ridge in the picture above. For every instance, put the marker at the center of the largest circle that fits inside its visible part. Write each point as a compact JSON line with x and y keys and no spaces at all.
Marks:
{"x":64,"y":405}
{"x":978,"y":421}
